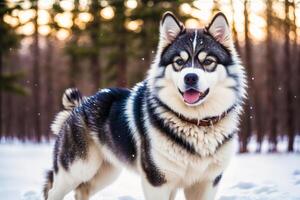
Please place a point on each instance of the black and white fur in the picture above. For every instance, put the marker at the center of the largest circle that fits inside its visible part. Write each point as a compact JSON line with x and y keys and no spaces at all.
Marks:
{"x":141,"y":129}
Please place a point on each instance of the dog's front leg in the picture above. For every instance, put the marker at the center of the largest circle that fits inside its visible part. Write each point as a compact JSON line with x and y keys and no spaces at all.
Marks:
{"x":163,"y":192}
{"x":204,"y":190}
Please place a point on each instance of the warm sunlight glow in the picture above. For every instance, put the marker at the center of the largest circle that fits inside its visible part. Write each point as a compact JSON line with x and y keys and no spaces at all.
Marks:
{"x":64,"y":20}
{"x":107,"y":13}
{"x":257,"y":6}
{"x":278,"y":9}
{"x":46,"y":4}
{"x":198,"y":12}
{"x":83,"y":5}
{"x":203,"y":5}
{"x":26,"y":4}
{"x":81,"y":25}
{"x":257,"y":20}
{"x":26,"y":15}
{"x":85,"y":17}
{"x":15,"y":13}
{"x":103,"y":3}
{"x":185,"y":8}
{"x":12,"y":21}
{"x":203,"y":15}
{"x":27,"y":29}
{"x":257,"y":33}
{"x":298,"y":17}
{"x":131,"y":4}
{"x":192,"y":23}
{"x":67,"y":5}
{"x":62,"y":34}
{"x":44,"y":30}
{"x":10,"y":4}
{"x":44,"y":17}
{"x":135,"y":25}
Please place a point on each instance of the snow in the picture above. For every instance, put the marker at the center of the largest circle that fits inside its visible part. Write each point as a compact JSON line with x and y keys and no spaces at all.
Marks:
{"x":249,"y":176}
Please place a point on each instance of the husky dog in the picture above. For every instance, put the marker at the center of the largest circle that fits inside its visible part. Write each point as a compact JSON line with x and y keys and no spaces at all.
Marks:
{"x":175,"y":128}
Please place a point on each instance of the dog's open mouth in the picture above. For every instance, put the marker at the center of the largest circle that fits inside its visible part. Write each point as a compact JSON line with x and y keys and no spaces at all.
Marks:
{"x":192,"y":96}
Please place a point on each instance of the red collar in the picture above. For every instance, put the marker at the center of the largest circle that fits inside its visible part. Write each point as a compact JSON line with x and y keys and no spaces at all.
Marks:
{"x":208,"y":121}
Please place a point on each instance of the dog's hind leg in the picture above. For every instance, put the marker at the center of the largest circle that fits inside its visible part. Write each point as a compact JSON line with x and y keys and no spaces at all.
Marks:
{"x":62,"y":185}
{"x":81,"y":170}
{"x":106,"y":175}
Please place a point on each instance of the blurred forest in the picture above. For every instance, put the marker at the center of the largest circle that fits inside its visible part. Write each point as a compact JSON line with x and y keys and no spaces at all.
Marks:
{"x":50,"y":45}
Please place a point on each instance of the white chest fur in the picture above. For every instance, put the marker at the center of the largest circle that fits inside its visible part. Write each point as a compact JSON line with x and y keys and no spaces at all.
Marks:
{"x":210,"y":159}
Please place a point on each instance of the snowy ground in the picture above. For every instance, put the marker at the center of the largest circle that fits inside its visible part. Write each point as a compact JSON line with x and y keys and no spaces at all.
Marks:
{"x":249,"y":177}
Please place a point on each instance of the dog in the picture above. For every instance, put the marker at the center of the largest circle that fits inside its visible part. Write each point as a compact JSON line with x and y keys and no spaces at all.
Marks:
{"x":175,"y":128}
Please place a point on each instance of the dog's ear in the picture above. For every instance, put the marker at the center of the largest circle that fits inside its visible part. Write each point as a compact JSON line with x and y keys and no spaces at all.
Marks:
{"x":170,"y":28}
{"x":220,"y":30}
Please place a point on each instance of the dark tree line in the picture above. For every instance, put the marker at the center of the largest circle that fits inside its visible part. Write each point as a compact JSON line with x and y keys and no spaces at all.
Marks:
{"x":116,"y":49}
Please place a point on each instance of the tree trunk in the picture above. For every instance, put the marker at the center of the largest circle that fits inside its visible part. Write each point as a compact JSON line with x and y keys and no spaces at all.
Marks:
{"x":73,"y":72}
{"x":36,"y":79}
{"x":121,"y":46}
{"x":271,"y":82}
{"x":49,"y":87}
{"x":246,"y":126}
{"x":246,"y":129}
{"x":95,"y":66}
{"x":122,"y":65}
{"x":297,"y":97}
{"x":1,"y":100}
{"x":288,"y":80}
{"x":253,"y":97}
{"x":96,"y":71}
{"x":296,"y":70}
{"x":74,"y":61}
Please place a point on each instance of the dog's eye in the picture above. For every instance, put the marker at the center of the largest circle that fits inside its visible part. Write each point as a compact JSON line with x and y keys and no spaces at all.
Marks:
{"x":179,"y":62}
{"x":207,"y":62}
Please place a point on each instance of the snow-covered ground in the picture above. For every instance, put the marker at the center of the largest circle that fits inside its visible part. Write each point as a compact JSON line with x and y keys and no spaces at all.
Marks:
{"x":249,"y":177}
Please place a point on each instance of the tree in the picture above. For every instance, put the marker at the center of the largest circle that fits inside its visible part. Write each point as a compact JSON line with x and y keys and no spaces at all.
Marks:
{"x":150,"y":13}
{"x":49,"y":68}
{"x":288,"y":78}
{"x":246,"y":125}
{"x":73,"y":49}
{"x":36,"y":74}
{"x":8,"y":40}
{"x":49,"y":86}
{"x":94,"y":29}
{"x":271,"y":80}
{"x":121,"y":35}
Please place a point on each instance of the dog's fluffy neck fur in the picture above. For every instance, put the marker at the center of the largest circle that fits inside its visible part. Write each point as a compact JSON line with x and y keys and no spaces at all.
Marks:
{"x":194,"y":140}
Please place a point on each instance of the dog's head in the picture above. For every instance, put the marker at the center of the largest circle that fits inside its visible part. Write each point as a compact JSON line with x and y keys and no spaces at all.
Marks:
{"x":197,"y":70}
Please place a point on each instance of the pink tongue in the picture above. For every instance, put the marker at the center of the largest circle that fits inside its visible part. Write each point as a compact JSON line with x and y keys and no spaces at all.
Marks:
{"x":191,"y":96}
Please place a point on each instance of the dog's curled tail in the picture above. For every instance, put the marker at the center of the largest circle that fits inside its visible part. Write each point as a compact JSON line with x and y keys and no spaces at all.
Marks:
{"x":70,"y":99}
{"x":49,"y":183}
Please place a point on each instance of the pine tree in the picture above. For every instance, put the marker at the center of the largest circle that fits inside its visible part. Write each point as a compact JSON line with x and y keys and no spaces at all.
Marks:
{"x":94,"y":31}
{"x":150,"y":13}
{"x":73,"y":49}
{"x":288,"y":78}
{"x":271,"y":80}
{"x":8,"y":40}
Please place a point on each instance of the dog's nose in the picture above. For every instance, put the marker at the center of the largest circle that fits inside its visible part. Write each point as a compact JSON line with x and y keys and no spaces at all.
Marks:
{"x":191,"y":79}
